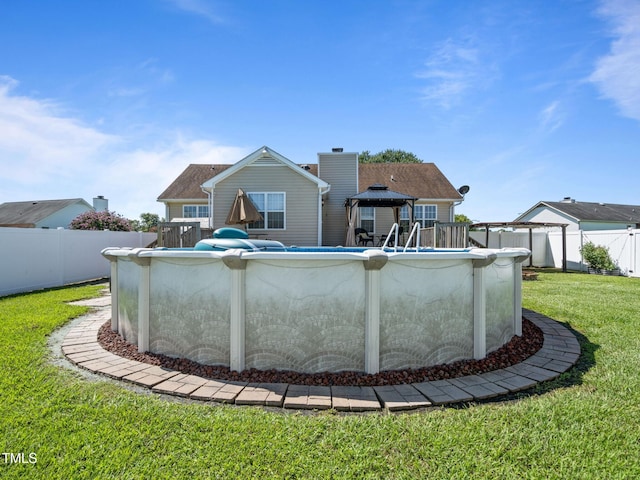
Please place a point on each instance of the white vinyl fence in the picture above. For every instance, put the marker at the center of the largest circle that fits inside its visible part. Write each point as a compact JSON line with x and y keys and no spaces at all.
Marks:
{"x":35,"y":258}
{"x":623,"y":246}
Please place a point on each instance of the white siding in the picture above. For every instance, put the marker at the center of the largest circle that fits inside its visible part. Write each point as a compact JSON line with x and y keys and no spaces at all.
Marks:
{"x":545,"y":215}
{"x":63,"y":217}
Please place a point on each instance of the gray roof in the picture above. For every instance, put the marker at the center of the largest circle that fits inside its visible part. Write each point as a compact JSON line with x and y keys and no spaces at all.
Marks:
{"x":418,"y":180}
{"x":187,"y":185}
{"x":597,"y":212}
{"x":378,"y":195}
{"x":32,"y":212}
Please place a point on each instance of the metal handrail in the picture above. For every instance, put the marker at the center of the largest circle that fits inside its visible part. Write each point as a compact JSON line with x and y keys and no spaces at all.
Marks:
{"x":416,"y":228}
{"x":394,"y":227}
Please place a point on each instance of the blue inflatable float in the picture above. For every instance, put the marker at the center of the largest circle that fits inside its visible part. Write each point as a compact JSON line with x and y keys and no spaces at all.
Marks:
{"x":228,"y":238}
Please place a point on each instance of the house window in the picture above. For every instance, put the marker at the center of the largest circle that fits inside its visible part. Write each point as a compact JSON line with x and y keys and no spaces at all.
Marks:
{"x":195,"y":211}
{"x":426,"y":215}
{"x":368,"y":218}
{"x":272,"y":207}
{"x":405,"y":221}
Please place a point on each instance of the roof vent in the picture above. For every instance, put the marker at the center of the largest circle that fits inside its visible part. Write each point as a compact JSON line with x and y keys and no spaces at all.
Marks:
{"x":568,"y":200}
{"x":337,"y":150}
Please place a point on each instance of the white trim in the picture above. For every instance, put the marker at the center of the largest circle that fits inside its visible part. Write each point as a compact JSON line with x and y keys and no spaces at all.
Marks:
{"x":266,"y":219}
{"x":550,"y":207}
{"x":373,"y":230}
{"x":320,"y":193}
{"x":423,"y":218}
{"x":437,"y":200}
{"x":198,"y":206}
{"x":262,"y":153}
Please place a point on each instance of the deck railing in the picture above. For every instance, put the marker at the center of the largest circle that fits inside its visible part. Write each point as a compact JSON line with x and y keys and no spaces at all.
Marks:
{"x":178,"y":234}
{"x":445,"y":235}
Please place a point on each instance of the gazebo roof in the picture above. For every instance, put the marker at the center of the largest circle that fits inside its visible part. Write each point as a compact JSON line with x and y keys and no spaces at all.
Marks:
{"x":378,"y":195}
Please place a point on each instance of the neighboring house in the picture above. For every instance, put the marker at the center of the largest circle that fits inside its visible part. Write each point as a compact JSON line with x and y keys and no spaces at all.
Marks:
{"x":44,"y":213}
{"x":305,"y":204}
{"x":585,"y":216}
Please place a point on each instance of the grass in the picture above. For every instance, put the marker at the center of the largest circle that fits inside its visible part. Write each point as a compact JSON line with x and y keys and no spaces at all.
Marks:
{"x":585,"y":424}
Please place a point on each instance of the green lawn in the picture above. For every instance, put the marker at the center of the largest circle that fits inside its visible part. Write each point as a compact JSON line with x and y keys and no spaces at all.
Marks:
{"x":585,"y":425}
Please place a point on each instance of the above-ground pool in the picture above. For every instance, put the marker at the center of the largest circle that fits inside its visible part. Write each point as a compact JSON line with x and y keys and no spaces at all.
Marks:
{"x":312,"y":310}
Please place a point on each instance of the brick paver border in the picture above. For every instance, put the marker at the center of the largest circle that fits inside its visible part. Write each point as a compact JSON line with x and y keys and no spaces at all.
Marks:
{"x":558,"y":354}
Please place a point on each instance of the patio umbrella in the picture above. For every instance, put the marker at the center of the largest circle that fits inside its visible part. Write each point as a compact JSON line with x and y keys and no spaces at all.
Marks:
{"x":242,"y":211}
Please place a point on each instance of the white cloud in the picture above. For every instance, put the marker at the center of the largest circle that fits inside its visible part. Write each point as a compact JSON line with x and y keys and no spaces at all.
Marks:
{"x":37,"y":141}
{"x":617,"y":74}
{"x":551,"y":117}
{"x":198,"y":7}
{"x":134,"y":179}
{"x":450,"y":72}
{"x":45,"y":155}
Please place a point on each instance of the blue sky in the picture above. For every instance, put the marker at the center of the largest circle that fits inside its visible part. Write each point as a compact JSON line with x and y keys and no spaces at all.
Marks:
{"x":523,"y":101}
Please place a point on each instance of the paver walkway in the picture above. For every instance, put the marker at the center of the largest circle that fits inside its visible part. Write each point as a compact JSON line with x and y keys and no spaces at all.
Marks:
{"x":558,"y":354}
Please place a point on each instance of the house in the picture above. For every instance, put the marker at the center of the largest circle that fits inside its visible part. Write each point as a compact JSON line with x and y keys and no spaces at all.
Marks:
{"x":305,"y":204}
{"x":46,"y":213}
{"x":585,"y":216}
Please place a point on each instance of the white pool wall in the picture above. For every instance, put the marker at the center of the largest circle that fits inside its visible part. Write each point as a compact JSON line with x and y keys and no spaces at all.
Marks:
{"x":314,"y":312}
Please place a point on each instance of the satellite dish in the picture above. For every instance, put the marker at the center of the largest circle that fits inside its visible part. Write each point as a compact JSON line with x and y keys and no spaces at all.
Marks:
{"x":463,"y":190}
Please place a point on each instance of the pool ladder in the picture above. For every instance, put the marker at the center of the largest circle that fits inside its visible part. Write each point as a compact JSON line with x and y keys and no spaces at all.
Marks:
{"x":394,"y":233}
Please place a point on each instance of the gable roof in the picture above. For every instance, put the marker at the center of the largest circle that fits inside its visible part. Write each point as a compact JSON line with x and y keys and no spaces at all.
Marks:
{"x":593,"y":211}
{"x":265,"y":156}
{"x":419,"y":180}
{"x":187,"y":185}
{"x":34,"y":211}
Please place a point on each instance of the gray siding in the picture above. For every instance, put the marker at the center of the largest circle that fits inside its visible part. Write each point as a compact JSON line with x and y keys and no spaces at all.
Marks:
{"x":301,"y":215}
{"x":340,"y":170}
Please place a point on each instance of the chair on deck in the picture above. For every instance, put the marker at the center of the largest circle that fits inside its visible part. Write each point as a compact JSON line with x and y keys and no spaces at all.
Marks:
{"x":393,"y":238}
{"x":363,"y":237}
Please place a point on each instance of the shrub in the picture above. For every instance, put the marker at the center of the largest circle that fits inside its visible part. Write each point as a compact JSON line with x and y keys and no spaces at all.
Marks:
{"x":101,"y":221}
{"x":597,"y":256}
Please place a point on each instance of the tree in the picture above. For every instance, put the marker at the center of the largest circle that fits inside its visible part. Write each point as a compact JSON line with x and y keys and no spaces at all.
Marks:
{"x":462,"y":218}
{"x":388,"y":156}
{"x":100,"y":221}
{"x":148,"y":222}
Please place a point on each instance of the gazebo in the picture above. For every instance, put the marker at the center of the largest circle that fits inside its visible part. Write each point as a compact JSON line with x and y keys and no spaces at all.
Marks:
{"x":377,"y":195}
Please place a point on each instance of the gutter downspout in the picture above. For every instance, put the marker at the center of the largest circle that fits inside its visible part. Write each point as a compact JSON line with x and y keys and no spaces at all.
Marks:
{"x":452,"y":210}
{"x":210,"y":203}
